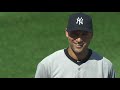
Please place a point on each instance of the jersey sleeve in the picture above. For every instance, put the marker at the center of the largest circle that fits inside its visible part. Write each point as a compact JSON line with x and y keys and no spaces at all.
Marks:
{"x":112,"y":73}
{"x":41,"y":71}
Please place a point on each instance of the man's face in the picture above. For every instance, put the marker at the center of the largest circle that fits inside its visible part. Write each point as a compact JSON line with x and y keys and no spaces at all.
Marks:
{"x":79,"y":40}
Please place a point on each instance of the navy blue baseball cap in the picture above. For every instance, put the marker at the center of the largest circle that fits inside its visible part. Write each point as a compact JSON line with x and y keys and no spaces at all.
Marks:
{"x":80,"y":21}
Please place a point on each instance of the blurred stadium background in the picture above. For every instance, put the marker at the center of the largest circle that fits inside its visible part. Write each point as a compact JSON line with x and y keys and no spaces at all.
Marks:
{"x":27,"y":37}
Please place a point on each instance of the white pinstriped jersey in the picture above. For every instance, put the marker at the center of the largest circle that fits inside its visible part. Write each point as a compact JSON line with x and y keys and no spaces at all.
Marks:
{"x":61,"y":65}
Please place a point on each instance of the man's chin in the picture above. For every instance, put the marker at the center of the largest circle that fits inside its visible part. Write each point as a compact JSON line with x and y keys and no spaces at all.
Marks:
{"x":78,"y":50}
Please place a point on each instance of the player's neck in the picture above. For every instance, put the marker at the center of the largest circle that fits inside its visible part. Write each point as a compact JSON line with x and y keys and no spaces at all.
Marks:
{"x":78,"y":56}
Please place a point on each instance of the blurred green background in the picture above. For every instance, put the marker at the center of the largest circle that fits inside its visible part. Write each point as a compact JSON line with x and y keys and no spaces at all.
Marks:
{"x":27,"y":37}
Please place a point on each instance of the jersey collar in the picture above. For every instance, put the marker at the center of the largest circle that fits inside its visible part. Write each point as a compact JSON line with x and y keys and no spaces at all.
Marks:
{"x":78,"y":62}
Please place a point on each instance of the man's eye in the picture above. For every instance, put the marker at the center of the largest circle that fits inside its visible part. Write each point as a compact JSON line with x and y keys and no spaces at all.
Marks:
{"x":72,"y":35}
{"x":84,"y":34}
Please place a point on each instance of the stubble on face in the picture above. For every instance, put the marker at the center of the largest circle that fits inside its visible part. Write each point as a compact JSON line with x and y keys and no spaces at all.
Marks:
{"x":77,"y":47}
{"x":79,"y":44}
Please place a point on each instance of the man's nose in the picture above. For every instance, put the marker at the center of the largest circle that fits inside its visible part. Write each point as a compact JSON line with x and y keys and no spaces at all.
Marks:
{"x":79,"y":39}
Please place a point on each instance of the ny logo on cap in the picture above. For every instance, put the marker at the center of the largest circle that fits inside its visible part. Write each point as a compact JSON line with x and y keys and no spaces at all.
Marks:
{"x":79,"y":21}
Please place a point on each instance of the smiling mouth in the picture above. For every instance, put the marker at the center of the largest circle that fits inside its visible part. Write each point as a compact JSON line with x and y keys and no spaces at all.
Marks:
{"x":79,"y":45}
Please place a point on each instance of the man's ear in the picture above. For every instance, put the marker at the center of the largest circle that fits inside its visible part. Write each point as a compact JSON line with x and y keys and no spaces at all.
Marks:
{"x":66,"y":33}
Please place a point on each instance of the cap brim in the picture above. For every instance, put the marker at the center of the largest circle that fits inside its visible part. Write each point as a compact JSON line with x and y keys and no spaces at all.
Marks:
{"x":81,"y":29}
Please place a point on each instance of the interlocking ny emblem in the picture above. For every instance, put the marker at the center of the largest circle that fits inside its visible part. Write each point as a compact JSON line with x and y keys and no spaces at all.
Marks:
{"x":79,"y":21}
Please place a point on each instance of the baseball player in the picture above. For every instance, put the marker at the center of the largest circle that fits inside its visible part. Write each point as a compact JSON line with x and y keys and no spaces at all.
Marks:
{"x":76,"y":61}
